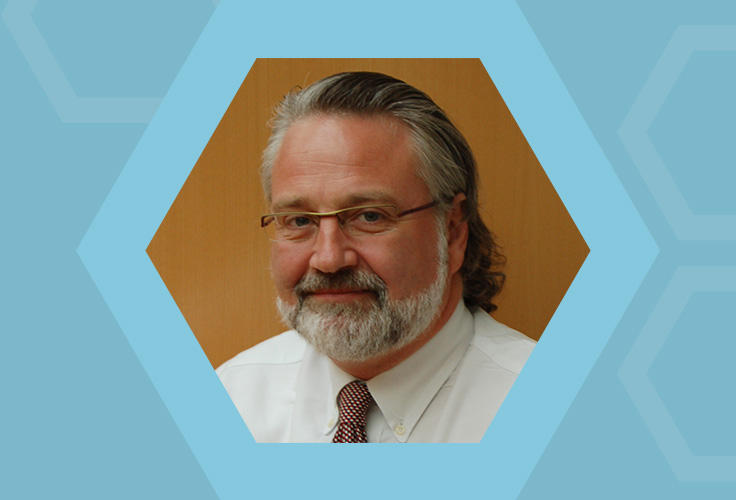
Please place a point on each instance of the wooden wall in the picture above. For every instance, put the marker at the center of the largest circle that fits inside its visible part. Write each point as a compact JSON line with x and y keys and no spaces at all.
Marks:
{"x":213,"y":256}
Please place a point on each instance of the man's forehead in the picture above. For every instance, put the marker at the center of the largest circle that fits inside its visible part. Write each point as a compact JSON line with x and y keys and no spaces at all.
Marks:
{"x":355,"y":135}
{"x":343,"y":161}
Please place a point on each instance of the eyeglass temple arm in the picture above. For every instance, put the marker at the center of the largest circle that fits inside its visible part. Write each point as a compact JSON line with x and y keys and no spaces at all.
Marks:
{"x":417,"y":209}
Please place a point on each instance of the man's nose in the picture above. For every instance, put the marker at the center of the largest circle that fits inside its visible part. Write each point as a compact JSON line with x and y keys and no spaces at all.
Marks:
{"x":332,"y":248}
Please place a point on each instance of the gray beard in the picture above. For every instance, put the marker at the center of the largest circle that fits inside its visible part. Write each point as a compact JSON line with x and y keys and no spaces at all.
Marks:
{"x":363,"y":330}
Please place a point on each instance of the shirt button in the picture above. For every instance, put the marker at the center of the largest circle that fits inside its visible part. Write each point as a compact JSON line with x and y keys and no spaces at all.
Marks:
{"x":400,"y":430}
{"x":331,"y":422}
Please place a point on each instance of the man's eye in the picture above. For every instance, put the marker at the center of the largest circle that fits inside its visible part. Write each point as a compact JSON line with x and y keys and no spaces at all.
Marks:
{"x":371,"y":216}
{"x":371,"y":220}
{"x":297,"y":222}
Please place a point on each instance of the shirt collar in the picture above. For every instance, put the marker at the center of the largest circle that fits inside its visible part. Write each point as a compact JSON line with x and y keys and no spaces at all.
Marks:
{"x":404,"y":392}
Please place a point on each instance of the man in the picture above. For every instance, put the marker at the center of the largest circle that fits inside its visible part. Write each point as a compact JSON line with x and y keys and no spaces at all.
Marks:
{"x":383,"y":269}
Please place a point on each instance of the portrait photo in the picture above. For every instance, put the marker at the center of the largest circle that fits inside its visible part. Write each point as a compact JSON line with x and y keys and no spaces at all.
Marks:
{"x":315,"y":202}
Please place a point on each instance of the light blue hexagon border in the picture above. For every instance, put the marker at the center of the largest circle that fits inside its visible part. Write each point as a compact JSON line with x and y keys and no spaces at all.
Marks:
{"x":70,"y":107}
{"x":633,"y":373}
{"x":634,"y":132}
{"x":113,"y":249}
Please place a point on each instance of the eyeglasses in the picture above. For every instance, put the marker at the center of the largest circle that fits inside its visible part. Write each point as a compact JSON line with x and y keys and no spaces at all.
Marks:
{"x":355,"y":221}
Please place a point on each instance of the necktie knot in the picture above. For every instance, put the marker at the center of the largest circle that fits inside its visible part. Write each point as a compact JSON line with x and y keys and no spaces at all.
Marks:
{"x":354,"y":400}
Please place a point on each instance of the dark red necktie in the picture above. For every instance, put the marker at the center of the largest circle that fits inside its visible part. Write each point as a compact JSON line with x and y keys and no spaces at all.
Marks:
{"x":354,"y":400}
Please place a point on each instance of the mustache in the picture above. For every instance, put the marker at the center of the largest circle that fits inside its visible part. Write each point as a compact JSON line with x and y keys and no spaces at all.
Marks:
{"x":346,"y":279}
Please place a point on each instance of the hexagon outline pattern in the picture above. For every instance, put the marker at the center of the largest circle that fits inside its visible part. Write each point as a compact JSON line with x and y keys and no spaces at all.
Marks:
{"x":633,"y":132}
{"x":69,"y":107}
{"x":633,"y":373}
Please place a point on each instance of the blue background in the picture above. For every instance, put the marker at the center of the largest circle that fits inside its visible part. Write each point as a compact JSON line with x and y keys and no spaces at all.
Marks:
{"x":104,"y":109}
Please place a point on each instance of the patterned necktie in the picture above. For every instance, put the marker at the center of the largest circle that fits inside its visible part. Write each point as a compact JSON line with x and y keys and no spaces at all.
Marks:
{"x":354,"y":400}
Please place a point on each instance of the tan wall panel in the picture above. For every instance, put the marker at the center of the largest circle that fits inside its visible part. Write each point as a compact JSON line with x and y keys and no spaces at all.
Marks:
{"x":213,"y":257}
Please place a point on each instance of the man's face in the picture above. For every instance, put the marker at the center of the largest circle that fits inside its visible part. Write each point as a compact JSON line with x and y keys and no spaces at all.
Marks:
{"x":330,"y":163}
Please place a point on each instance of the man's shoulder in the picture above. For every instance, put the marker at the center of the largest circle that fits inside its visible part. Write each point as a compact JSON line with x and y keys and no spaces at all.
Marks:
{"x":260,"y":382}
{"x":503,"y":345}
{"x":283,"y":349}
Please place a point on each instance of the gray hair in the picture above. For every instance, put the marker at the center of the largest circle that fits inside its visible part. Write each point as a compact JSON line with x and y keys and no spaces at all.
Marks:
{"x":445,"y":161}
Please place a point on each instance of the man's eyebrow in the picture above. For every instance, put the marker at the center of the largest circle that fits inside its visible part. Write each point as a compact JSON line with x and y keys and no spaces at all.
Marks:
{"x":296,"y":203}
{"x":370,"y":198}
{"x":299,"y":203}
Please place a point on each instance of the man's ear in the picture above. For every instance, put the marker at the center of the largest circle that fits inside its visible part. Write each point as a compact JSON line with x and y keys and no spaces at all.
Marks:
{"x":457,"y":233}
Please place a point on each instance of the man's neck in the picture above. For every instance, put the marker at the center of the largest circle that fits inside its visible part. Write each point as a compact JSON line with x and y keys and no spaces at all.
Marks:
{"x":366,"y":370}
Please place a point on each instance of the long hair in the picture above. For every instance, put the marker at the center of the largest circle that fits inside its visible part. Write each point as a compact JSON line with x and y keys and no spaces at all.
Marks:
{"x":445,"y":161}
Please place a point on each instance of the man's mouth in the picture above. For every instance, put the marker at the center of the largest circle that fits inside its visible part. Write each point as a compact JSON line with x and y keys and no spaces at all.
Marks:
{"x":346,"y":287}
{"x":339,"y":295}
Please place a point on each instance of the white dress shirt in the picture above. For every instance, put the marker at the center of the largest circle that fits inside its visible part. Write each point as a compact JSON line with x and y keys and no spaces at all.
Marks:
{"x":448,"y":391}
